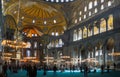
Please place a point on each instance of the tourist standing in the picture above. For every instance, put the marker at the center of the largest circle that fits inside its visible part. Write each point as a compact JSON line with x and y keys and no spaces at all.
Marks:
{"x":4,"y":68}
{"x":85,"y":71}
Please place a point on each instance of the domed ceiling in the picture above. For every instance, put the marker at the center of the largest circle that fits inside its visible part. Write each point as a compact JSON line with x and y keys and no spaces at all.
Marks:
{"x":29,"y":14}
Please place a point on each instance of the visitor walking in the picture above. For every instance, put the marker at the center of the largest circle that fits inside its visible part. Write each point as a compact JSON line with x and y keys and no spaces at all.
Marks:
{"x":102,"y":69}
{"x":85,"y":71}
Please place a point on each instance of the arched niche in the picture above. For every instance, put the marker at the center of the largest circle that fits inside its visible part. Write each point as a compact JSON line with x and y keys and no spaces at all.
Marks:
{"x":95,"y":28}
{"x":85,"y":32}
{"x":110,"y":44}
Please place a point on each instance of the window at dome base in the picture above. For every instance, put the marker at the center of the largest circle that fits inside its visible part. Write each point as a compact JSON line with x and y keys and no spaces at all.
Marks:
{"x":59,"y":1}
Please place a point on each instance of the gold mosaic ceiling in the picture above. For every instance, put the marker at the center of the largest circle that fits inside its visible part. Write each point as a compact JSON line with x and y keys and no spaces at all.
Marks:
{"x":42,"y":15}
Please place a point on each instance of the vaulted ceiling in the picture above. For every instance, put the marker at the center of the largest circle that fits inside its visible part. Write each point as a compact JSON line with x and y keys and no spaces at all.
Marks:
{"x":40,"y":17}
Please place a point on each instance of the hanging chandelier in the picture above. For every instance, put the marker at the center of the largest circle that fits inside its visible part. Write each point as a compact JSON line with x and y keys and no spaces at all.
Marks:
{"x":17,"y":42}
{"x":14,"y":44}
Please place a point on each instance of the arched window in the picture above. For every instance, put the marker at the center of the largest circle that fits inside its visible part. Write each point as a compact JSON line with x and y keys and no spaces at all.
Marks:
{"x":80,"y":12}
{"x":85,"y":32}
{"x":110,"y":22}
{"x":96,"y":29}
{"x":75,"y":35}
{"x":28,"y":53}
{"x":102,"y":1}
{"x":90,"y":13}
{"x":96,"y":10}
{"x":90,"y":5}
{"x":102,"y":7}
{"x":79,"y":34}
{"x":60,"y":42}
{"x":95,"y":3}
{"x":102,"y":25}
{"x":76,"y":21}
{"x":84,"y":16}
{"x":28,"y":44}
{"x":35,"y":44}
{"x":85,"y":9}
{"x":109,"y":3}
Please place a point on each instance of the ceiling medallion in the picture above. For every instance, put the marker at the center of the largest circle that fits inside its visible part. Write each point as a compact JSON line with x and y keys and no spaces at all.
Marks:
{"x":59,"y":1}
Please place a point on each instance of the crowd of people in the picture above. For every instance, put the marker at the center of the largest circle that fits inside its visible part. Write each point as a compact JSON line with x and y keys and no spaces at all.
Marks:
{"x":32,"y":68}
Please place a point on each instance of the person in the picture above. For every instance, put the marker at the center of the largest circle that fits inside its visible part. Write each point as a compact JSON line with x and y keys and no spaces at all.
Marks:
{"x":85,"y":71}
{"x":81,"y":68}
{"x":33,"y":70}
{"x":70,"y":67}
{"x":73,"y":68}
{"x":54,"y":69}
{"x":114,"y":66}
{"x":108,"y":68}
{"x":44,"y":69}
{"x":4,"y":68}
{"x":1,"y":75}
{"x":102,"y":69}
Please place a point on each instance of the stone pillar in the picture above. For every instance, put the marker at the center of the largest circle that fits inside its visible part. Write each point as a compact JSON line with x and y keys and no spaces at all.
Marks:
{"x":106,"y":19}
{"x":82,"y":32}
{"x":104,"y":59}
{"x":87,"y":31}
{"x":94,"y":52}
{"x":112,"y":57}
{"x":98,"y":24}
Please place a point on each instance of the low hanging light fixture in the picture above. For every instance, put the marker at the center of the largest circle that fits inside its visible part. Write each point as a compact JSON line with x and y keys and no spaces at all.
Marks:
{"x":17,"y":42}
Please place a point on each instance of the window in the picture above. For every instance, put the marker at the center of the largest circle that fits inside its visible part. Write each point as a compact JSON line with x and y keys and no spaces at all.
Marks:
{"x":32,"y":35}
{"x":96,"y":29}
{"x":85,"y":9}
{"x":89,"y":31}
{"x":90,"y":13}
{"x":33,"y":21}
{"x":35,"y":44}
{"x":79,"y":18}
{"x":110,"y":22}
{"x":79,"y":34}
{"x":84,"y":16}
{"x":84,"y":32}
{"x":54,"y":21}
{"x":102,"y":25}
{"x":60,"y":43}
{"x":75,"y":20}
{"x":90,"y":5}
{"x":35,"y":34}
{"x":109,"y":3}
{"x":28,"y":53}
{"x":95,"y":3}
{"x":96,"y":10}
{"x":102,"y":1}
{"x":75,"y":35}
{"x":52,"y":34}
{"x":80,"y":12}
{"x":102,"y":7}
{"x":29,"y":44}
{"x":56,"y":33}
